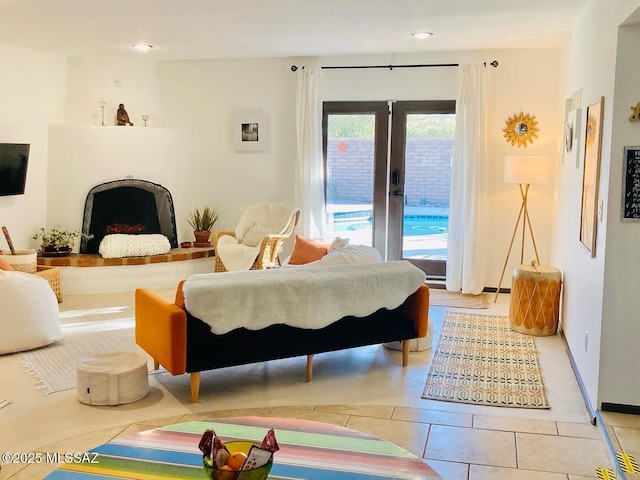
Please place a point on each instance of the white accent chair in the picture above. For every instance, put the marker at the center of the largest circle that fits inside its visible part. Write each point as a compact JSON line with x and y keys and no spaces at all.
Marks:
{"x":257,"y":238}
{"x":29,"y":315}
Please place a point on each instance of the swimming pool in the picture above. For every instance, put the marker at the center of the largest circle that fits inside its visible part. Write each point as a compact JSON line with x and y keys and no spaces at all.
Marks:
{"x":413,"y":225}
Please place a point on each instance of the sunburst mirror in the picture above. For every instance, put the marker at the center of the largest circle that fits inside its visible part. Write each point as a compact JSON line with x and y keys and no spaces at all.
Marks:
{"x":521,"y":129}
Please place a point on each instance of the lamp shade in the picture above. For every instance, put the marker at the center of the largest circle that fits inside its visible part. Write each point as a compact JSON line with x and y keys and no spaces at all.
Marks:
{"x":526,"y":170}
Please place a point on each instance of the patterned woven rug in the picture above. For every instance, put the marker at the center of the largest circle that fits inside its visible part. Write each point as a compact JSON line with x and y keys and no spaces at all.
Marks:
{"x":480,"y":360}
{"x":55,"y":366}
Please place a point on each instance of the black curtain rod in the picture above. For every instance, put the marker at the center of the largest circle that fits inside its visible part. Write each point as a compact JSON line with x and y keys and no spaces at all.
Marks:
{"x":294,"y":68}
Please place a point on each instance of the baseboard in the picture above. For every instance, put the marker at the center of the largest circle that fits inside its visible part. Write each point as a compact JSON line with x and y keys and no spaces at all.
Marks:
{"x":620,"y":408}
{"x":594,"y":415}
{"x":576,"y":373}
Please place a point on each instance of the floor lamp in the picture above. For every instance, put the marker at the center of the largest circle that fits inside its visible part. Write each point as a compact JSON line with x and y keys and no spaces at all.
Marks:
{"x":523,"y":171}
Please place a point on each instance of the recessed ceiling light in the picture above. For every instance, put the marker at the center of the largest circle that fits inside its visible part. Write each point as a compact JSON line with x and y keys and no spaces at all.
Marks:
{"x":142,"y":47}
{"x":422,"y":35}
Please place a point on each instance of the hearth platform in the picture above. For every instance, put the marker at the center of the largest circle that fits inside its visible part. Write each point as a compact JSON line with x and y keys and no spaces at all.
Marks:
{"x":96,"y":260}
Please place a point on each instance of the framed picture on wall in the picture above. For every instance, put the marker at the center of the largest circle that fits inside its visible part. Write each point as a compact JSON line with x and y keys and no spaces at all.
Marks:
{"x":591,"y":175}
{"x":251,"y":132}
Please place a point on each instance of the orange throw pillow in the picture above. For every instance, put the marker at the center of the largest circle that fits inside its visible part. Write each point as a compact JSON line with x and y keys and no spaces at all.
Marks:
{"x":307,"y":250}
{"x":4,"y":265}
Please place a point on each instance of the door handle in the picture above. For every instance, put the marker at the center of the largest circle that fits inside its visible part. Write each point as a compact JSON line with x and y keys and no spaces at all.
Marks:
{"x":397,"y":193}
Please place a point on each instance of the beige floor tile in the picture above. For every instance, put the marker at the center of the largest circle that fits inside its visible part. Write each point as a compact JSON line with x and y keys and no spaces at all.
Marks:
{"x":408,"y":435}
{"x":83,"y":442}
{"x":450,"y":470}
{"x":560,"y":454}
{"x":233,"y":412}
{"x":32,"y":472}
{"x":10,"y":469}
{"x":581,"y":477}
{"x":135,"y":428}
{"x":304,"y":414}
{"x":437,"y":417}
{"x":466,"y":445}
{"x":620,"y":419}
{"x":484,"y":472}
{"x":161,"y":422}
{"x":582,"y":430}
{"x":629,"y":440}
{"x":376,"y":411}
{"x":527,"y":425}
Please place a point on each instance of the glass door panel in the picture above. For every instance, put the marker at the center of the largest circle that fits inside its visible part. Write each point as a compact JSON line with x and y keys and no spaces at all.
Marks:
{"x":352,"y":134}
{"x":422,"y":150}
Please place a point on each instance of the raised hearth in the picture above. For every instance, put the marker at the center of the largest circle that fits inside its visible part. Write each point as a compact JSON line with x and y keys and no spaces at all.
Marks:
{"x":83,"y":274}
{"x":96,"y":260}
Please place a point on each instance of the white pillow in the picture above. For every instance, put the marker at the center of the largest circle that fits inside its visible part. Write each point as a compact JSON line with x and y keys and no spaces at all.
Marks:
{"x":120,"y":245}
{"x":338,"y":244}
{"x":350,"y":254}
{"x":255,"y":234}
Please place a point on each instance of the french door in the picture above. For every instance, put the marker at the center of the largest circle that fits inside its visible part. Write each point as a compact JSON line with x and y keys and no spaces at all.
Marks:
{"x":388,"y":177}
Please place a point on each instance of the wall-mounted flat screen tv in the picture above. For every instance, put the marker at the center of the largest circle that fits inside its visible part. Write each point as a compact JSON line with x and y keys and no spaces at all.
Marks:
{"x":14,"y":158}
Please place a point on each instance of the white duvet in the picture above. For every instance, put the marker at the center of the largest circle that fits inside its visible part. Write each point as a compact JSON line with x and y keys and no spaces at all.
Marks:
{"x":309,"y":297}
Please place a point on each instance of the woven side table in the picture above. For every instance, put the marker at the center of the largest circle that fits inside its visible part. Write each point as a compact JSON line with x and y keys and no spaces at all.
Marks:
{"x":51,"y":275}
{"x":535,"y":300}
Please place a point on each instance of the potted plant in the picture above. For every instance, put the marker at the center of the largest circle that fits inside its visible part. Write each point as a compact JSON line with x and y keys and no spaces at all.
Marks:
{"x":57,"y":242}
{"x":202,"y":222}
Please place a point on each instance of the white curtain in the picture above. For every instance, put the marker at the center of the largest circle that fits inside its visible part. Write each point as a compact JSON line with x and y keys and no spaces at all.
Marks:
{"x":467,"y":242}
{"x":309,"y":192}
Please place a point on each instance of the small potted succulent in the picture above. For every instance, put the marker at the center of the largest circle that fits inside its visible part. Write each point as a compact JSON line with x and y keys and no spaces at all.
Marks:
{"x":57,"y":242}
{"x":202,"y":222}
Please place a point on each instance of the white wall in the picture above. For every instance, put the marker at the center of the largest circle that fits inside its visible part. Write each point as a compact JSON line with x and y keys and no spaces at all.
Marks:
{"x":192,"y":155}
{"x":32,"y":96}
{"x":621,"y":302}
{"x":599,"y":297}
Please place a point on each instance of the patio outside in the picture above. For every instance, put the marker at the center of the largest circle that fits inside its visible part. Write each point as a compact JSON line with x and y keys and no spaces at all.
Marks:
{"x":427,"y":183}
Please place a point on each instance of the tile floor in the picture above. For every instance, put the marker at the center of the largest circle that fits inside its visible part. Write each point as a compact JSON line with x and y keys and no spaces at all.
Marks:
{"x":365,"y":389}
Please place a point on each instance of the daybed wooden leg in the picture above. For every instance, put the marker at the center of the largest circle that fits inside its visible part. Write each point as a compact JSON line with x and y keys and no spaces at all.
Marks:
{"x":309,"y":367}
{"x":405,"y":352}
{"x":195,"y":387}
{"x":156,"y":365}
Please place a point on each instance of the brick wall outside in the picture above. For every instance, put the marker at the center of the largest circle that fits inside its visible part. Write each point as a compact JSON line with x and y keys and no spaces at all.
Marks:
{"x":427,"y":171}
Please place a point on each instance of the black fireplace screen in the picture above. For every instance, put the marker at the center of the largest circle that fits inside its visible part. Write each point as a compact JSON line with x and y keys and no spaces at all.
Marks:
{"x":127,"y":206}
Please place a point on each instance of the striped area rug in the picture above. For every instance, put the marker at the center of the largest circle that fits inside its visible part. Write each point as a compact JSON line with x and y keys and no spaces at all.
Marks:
{"x":480,"y":360}
{"x":307,"y":450}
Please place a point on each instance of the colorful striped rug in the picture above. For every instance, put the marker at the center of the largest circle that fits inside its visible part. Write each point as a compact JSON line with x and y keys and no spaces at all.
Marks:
{"x":480,"y":360}
{"x":308,"y":450}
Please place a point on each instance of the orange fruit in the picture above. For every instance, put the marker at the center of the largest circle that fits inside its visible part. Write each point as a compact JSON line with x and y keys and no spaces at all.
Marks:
{"x":235,"y":460}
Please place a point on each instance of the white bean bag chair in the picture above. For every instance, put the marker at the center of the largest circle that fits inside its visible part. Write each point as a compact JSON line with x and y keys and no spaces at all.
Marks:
{"x":29,"y":315}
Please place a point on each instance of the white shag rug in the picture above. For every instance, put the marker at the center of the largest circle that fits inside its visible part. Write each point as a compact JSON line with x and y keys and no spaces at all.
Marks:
{"x":54,"y":366}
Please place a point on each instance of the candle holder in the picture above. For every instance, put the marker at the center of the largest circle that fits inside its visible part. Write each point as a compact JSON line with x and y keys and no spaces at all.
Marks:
{"x":102,"y":104}
{"x":145,"y":118}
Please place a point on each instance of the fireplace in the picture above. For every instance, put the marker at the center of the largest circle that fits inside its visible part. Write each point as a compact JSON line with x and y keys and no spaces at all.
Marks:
{"x":129,"y":206}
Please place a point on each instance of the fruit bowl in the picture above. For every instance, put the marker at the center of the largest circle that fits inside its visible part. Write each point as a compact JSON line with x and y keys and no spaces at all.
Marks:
{"x":260,"y":473}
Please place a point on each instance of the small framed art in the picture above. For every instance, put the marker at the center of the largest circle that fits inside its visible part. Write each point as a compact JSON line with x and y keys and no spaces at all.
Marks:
{"x":251,"y":132}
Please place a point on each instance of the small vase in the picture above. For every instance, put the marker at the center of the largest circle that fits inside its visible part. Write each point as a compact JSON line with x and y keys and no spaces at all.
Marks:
{"x":202,"y":238}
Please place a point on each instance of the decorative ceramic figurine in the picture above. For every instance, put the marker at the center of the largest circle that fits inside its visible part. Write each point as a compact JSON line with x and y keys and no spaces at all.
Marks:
{"x":122,"y":116}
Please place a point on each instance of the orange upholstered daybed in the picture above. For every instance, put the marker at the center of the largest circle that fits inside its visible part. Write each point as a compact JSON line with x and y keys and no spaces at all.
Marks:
{"x":183,"y":343}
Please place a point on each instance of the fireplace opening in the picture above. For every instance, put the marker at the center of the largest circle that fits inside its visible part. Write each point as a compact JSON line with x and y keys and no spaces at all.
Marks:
{"x":128,"y":206}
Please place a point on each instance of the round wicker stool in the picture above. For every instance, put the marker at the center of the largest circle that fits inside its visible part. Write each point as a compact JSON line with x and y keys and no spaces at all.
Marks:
{"x":112,"y":378}
{"x":535,"y":300}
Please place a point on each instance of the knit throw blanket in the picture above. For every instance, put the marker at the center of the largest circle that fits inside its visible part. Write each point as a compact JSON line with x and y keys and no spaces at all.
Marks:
{"x":308,"y":297}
